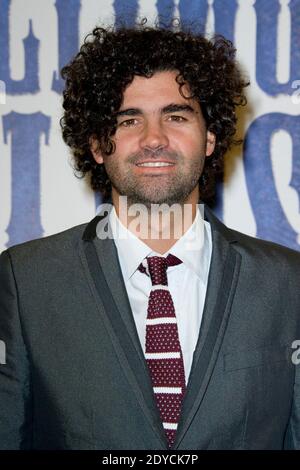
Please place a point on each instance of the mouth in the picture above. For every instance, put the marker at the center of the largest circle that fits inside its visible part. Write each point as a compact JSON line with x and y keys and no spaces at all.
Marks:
{"x":155,"y":164}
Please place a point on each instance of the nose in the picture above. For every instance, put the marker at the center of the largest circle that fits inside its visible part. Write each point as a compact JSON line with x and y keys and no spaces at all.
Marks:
{"x":153,"y":136}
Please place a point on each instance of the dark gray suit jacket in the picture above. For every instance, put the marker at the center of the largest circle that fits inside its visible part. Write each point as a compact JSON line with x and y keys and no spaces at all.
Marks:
{"x":75,"y":375}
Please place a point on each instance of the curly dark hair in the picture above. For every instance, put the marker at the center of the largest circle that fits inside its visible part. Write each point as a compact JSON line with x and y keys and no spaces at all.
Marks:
{"x":106,"y":64}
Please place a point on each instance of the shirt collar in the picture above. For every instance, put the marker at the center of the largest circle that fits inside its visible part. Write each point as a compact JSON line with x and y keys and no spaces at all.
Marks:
{"x":193,"y":248}
{"x":131,"y":249}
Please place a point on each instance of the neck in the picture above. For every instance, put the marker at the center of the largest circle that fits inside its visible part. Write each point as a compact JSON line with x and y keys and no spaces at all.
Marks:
{"x":160,"y":226}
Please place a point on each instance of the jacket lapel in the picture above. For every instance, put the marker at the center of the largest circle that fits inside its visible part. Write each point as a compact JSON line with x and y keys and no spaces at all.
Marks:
{"x":223,"y":276}
{"x":103,"y":264}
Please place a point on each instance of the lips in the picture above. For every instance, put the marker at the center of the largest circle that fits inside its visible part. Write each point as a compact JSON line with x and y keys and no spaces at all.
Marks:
{"x":155,"y":163}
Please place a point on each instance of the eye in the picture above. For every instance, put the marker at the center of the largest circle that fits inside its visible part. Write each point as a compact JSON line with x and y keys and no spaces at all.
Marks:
{"x":128,"y":123}
{"x":176,"y":118}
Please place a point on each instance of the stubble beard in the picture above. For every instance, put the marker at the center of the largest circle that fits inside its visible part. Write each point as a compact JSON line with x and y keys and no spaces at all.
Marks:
{"x":165,"y":189}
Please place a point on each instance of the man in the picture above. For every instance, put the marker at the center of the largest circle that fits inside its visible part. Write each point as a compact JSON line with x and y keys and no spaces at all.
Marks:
{"x":118,"y":336}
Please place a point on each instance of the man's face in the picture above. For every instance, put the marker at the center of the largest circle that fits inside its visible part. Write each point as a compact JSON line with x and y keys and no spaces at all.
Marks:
{"x":161,"y":144}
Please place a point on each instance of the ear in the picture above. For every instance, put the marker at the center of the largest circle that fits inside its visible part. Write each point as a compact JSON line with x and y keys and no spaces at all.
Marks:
{"x":95,"y":149}
{"x":210,"y":143}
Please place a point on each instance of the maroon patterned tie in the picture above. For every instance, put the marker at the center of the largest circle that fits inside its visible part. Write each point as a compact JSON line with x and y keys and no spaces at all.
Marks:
{"x":163,"y":352}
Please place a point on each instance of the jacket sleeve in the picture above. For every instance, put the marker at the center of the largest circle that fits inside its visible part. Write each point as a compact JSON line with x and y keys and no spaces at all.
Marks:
{"x":15,"y":395}
{"x":292,"y":438}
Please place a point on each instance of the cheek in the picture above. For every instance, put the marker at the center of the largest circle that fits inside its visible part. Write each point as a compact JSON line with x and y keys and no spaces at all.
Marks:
{"x":196,"y":135}
{"x":189,"y":144}
{"x":125,"y":144}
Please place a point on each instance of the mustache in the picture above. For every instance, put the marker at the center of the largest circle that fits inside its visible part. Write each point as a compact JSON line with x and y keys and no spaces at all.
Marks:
{"x":155,"y":154}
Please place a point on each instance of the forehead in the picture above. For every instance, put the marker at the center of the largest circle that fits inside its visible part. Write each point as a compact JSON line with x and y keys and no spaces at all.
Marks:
{"x":159,"y":90}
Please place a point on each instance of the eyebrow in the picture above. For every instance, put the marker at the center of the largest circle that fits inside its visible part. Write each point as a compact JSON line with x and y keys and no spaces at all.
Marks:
{"x":170,"y":108}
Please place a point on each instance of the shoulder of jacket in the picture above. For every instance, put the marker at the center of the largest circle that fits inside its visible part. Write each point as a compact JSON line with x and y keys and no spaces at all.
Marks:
{"x":58,"y":242}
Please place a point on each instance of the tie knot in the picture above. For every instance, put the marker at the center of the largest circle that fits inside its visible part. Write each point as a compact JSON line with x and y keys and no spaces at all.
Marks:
{"x":156,"y":267}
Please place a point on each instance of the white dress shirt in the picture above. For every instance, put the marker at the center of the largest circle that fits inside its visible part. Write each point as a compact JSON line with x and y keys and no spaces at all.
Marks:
{"x":187,"y":281}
